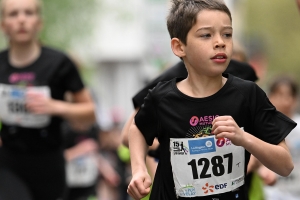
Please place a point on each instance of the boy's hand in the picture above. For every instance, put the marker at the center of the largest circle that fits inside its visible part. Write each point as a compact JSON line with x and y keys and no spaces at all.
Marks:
{"x":226,"y":127}
{"x":139,"y":185}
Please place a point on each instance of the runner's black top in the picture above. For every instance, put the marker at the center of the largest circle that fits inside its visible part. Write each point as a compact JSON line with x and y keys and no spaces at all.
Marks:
{"x":53,"y":69}
{"x":166,"y":113}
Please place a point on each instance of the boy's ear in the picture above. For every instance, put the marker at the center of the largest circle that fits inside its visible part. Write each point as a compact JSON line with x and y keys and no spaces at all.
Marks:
{"x":177,"y":47}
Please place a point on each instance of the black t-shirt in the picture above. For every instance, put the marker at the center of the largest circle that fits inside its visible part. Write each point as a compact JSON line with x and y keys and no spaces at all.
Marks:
{"x":167,"y":113}
{"x":53,"y":69}
{"x":236,"y":68}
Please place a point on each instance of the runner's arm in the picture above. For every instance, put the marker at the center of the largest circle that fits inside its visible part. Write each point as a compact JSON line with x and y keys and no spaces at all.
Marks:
{"x":275,"y":157}
{"x":140,"y":183}
{"x":81,"y":109}
{"x":125,"y":130}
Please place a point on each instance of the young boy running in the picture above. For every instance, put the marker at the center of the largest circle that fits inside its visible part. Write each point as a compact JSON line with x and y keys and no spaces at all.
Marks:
{"x":207,"y":124}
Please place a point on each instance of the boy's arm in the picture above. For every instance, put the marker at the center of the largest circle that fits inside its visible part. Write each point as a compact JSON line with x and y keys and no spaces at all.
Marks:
{"x":140,"y":183}
{"x":275,"y":157}
{"x":125,"y":130}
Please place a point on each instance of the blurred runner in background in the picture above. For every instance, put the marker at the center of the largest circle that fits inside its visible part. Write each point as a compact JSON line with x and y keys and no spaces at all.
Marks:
{"x":33,"y":82}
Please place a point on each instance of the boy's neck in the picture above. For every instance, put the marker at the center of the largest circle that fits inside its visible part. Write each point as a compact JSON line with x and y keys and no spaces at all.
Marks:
{"x":22,"y":55}
{"x":201,"y":87}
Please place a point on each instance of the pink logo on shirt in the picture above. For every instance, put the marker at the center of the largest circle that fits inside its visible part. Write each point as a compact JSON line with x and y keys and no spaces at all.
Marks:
{"x":194,"y":120}
{"x":21,"y":77}
{"x":203,"y":120}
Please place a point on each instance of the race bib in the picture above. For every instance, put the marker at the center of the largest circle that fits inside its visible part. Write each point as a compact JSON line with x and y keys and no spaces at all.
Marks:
{"x":82,"y":171}
{"x":206,"y":166}
{"x":13,"y":110}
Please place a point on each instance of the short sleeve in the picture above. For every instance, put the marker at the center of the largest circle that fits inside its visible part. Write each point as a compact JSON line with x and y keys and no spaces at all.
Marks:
{"x":138,"y":99}
{"x":147,"y":120}
{"x":71,"y":79}
{"x":270,"y":125}
{"x":178,"y":70}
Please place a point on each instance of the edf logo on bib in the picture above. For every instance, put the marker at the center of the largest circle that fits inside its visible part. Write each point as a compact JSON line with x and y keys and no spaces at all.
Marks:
{"x":220,"y":186}
{"x":209,"y":188}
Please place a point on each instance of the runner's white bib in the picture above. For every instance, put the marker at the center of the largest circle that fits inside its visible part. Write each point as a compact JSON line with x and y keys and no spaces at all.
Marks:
{"x":82,"y":171}
{"x":13,"y":110}
{"x":206,"y":166}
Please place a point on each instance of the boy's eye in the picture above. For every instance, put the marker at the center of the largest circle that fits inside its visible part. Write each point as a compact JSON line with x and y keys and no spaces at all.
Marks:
{"x":205,"y":35}
{"x":228,"y":35}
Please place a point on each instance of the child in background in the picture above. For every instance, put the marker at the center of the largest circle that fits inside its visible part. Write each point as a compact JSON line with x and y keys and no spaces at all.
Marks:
{"x":85,"y":163}
{"x":284,"y":94}
{"x":207,"y":124}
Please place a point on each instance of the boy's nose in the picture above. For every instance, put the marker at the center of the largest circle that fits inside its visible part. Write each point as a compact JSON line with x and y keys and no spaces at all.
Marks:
{"x":219,"y":43}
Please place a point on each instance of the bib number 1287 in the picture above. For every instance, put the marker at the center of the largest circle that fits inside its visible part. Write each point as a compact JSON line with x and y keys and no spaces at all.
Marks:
{"x":218,"y":169}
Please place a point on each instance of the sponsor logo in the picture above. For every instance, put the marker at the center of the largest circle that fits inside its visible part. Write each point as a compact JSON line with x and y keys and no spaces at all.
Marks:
{"x":187,"y":191}
{"x":15,"y":93}
{"x":223,"y":141}
{"x":179,"y":148}
{"x":203,"y":145}
{"x":237,"y":181}
{"x":18,"y":77}
{"x":208,"y":188}
{"x":204,"y":120}
{"x":221,"y":186}
{"x":220,"y":142}
{"x":208,"y":143}
{"x":194,"y":121}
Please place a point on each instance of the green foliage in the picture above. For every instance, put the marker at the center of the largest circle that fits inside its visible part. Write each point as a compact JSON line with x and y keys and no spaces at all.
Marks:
{"x":66,"y":21}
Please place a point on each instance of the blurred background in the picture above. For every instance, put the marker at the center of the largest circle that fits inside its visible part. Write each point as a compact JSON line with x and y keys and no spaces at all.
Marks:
{"x":120,"y":45}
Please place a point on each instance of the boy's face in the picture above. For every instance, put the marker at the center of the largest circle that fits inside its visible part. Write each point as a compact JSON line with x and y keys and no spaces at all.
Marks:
{"x":209,"y":43}
{"x":20,"y":20}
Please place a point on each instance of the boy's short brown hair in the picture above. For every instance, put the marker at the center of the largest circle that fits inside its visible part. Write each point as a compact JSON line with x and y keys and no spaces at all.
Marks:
{"x":183,"y":15}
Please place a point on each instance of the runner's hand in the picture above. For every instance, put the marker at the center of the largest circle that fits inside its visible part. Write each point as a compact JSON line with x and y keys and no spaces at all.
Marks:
{"x":40,"y":104}
{"x":226,"y":127}
{"x":139,"y":185}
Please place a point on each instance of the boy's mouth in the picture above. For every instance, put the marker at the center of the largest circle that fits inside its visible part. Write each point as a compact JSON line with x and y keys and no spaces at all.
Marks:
{"x":220,"y":56}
